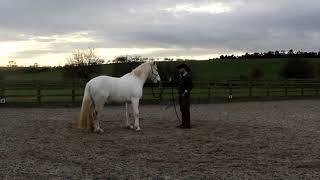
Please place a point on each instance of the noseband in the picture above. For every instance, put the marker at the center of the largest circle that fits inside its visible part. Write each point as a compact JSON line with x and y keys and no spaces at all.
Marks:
{"x":154,"y":75}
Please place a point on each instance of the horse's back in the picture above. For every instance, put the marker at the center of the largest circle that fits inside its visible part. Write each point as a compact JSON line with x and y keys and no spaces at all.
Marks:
{"x":115,"y":89}
{"x":100,"y":86}
{"x":103,"y":78}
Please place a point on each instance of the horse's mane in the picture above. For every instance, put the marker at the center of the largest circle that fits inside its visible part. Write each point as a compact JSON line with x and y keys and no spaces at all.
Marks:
{"x":139,"y":70}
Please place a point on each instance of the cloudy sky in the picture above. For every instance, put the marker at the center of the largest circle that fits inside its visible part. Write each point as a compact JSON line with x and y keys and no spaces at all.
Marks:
{"x":47,"y":31}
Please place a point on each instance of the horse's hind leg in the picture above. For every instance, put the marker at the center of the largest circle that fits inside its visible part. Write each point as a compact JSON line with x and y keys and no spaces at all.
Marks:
{"x":96,"y":121}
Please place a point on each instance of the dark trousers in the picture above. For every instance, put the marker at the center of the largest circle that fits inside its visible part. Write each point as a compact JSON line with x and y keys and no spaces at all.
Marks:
{"x":184,"y":102}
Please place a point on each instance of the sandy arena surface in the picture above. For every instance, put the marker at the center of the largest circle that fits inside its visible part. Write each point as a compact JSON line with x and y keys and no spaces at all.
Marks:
{"x":253,"y":140}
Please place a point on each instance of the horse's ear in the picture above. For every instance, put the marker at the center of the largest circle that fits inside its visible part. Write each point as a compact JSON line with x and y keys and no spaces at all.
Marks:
{"x":154,"y":63}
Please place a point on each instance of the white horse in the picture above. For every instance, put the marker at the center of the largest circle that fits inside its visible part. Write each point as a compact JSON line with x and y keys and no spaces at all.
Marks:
{"x":106,"y":89}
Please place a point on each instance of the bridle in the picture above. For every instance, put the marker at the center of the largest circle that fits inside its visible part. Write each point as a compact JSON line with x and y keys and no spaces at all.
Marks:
{"x":154,"y":75}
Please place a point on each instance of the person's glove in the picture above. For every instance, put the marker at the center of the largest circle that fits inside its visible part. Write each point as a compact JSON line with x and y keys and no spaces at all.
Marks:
{"x":185,"y":93}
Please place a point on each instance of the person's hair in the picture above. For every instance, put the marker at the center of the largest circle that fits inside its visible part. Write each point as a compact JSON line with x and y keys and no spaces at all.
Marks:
{"x":183,"y":66}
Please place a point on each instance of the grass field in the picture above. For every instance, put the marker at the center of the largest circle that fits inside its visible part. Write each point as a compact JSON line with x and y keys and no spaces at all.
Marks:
{"x":202,"y":70}
{"x":67,"y":94}
{"x":22,"y":87}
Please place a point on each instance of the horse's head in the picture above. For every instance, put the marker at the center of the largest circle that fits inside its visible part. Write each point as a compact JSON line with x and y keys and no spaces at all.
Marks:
{"x":154,"y":74}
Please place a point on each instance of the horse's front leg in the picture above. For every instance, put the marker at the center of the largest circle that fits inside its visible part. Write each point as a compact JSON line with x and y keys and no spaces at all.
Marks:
{"x":128,"y":125}
{"x":135,"y":107}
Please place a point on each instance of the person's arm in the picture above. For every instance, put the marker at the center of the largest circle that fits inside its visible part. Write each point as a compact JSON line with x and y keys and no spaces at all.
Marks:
{"x":173,"y":82}
{"x":188,"y":85}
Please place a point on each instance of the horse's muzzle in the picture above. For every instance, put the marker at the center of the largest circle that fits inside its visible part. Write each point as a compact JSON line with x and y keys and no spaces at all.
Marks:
{"x":159,"y":83}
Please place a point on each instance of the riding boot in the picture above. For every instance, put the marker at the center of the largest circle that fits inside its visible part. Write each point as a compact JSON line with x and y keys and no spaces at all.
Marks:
{"x":182,"y":109}
{"x":187,"y":112}
{"x":188,"y":125}
{"x":184,"y":124}
{"x":184,"y":118}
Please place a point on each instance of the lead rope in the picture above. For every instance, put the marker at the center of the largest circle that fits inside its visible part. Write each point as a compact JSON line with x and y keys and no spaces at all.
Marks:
{"x":174,"y":105}
{"x":160,"y":93}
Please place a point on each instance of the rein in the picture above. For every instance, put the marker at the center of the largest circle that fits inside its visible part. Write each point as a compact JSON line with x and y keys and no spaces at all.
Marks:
{"x":160,"y":86}
{"x":161,"y":92}
{"x":174,"y":104}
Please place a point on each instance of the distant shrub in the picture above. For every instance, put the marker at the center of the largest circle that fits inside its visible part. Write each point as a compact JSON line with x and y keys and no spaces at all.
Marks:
{"x":33,"y":69}
{"x":257,"y":73}
{"x":128,"y":59}
{"x":165,"y":69}
{"x":120,"y":69}
{"x":297,"y":68}
{"x":84,"y":73}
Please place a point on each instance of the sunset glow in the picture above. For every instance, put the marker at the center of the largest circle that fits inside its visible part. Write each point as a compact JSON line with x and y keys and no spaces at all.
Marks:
{"x":47,"y":32}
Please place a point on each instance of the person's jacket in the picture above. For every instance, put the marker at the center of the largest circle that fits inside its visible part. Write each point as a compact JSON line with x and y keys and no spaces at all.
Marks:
{"x":184,"y":83}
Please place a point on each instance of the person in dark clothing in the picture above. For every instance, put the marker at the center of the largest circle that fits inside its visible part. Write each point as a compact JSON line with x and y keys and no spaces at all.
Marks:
{"x":184,"y":86}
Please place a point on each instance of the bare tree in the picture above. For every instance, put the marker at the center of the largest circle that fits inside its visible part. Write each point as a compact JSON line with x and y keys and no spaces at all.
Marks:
{"x":12,"y":64}
{"x":83,"y":64}
{"x":84,"y":57}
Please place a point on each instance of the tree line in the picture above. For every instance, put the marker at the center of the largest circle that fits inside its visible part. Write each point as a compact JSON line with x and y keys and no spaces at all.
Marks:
{"x":274,"y":54}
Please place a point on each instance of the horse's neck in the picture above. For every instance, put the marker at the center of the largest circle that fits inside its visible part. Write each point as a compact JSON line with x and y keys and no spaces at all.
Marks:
{"x":141,"y":74}
{"x":142,"y":78}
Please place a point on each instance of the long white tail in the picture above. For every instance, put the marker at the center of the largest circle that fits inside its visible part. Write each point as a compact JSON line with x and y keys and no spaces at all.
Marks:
{"x":87,"y":110}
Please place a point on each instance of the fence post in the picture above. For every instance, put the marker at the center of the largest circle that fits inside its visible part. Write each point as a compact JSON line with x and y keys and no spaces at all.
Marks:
{"x":250,"y":89}
{"x":209,"y":91}
{"x":38,"y":92}
{"x":213,"y":89}
{"x":230,"y":90}
{"x":268,"y":88}
{"x":73,"y":92}
{"x":285,"y":88}
{"x":160,"y":95}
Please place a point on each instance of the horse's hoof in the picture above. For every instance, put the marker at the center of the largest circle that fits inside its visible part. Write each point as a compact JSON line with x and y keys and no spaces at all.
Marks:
{"x":138,"y":129}
{"x":131,"y":127}
{"x":99,"y":131}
